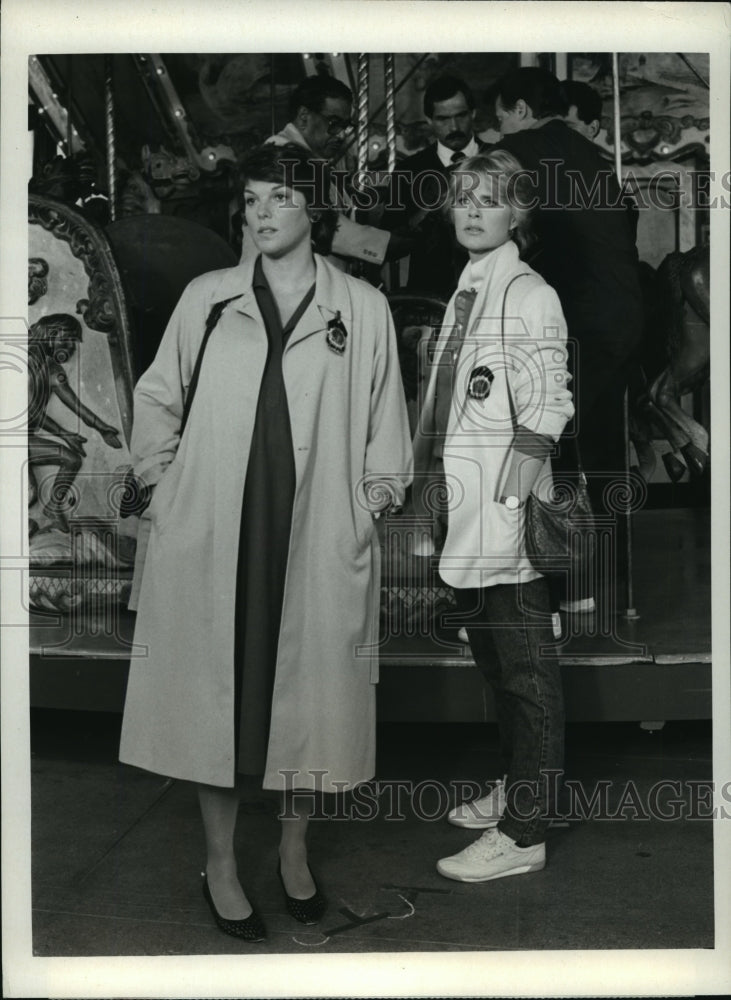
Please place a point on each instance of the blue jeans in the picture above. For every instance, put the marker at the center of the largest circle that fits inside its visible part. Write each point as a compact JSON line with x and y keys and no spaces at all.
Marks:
{"x":507,"y":625}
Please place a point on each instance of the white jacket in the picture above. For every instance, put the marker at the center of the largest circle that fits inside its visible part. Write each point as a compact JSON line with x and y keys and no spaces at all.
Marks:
{"x":485,"y":544}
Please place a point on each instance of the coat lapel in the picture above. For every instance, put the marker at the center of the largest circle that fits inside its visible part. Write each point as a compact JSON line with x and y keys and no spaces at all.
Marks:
{"x":238,"y":281}
{"x":331,"y":298}
{"x":503,"y":264}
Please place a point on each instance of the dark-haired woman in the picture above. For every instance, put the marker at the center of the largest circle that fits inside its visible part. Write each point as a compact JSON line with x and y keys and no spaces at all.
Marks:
{"x":270,"y":458}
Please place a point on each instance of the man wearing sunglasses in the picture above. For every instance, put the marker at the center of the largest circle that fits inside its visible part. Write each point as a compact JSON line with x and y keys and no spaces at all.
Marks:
{"x":320,"y":109}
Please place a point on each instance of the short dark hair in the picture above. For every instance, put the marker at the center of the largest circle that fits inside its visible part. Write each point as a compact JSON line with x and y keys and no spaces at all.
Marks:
{"x":540,"y":90}
{"x":314,"y":91}
{"x":295,"y":166}
{"x":442,"y":89}
{"x":587,"y":101}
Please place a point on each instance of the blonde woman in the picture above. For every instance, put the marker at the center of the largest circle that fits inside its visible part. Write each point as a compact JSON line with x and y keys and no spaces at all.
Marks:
{"x":497,"y":400}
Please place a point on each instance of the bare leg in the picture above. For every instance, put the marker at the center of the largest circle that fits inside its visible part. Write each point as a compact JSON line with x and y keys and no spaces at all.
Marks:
{"x":219,"y":808}
{"x":293,"y":847}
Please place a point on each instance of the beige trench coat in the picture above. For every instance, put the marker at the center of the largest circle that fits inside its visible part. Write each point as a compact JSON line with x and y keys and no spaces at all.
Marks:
{"x":349,"y":421}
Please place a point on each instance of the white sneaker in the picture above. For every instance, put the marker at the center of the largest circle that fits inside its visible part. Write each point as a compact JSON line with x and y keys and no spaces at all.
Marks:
{"x":583,"y":606}
{"x":481,"y":814}
{"x":494,"y":855}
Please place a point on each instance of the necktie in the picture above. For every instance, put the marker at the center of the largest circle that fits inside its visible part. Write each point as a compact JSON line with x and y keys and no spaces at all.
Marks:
{"x":456,"y":157}
{"x":463,"y":304}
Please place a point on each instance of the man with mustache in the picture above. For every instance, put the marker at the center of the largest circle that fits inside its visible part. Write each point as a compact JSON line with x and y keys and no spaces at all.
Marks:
{"x":419,"y":189}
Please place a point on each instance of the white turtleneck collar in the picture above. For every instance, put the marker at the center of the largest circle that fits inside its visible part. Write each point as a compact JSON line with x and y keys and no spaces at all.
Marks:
{"x":479,"y":271}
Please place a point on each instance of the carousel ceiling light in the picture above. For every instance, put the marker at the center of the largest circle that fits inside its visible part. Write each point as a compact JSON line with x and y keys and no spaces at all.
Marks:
{"x":49,"y":105}
{"x":173,"y":109}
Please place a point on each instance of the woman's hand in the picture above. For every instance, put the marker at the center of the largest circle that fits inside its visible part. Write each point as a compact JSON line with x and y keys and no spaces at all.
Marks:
{"x":135,"y":497}
{"x":381,"y":496}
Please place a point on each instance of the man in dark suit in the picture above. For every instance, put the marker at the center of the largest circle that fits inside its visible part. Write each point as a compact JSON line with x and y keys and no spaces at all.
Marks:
{"x":584,"y":112}
{"x":587,"y":253}
{"x":419,"y":189}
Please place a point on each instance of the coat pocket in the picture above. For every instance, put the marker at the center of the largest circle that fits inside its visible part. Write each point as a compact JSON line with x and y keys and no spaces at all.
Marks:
{"x":163,"y":498}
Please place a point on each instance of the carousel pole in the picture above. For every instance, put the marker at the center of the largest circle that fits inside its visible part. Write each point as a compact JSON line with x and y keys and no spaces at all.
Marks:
{"x":356,"y":267}
{"x":271,"y":94}
{"x":362,"y":130}
{"x":390,"y":111}
{"x":630,"y":611}
{"x":69,"y":95}
{"x":110,"y":137}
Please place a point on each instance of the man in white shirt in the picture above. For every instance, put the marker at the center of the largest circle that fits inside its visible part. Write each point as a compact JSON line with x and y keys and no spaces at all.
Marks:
{"x":320,"y":110}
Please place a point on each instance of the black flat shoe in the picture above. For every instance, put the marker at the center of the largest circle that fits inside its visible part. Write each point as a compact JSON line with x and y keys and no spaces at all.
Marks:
{"x":250,"y":928}
{"x":307,"y":911}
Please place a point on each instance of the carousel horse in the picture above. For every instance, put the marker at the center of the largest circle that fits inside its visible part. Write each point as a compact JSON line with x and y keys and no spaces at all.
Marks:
{"x":677,"y":300}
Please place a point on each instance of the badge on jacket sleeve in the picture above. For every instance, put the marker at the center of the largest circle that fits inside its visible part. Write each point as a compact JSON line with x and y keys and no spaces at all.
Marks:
{"x":480,"y":382}
{"x":337,"y":335}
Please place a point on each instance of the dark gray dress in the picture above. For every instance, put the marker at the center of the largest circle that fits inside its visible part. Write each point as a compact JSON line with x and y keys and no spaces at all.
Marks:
{"x":264,"y":541}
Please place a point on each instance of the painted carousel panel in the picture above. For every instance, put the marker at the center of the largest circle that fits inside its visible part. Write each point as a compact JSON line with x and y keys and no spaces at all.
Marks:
{"x":80,"y":411}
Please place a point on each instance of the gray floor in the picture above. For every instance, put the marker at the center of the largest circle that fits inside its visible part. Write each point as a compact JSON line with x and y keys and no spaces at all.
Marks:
{"x":117,"y":853}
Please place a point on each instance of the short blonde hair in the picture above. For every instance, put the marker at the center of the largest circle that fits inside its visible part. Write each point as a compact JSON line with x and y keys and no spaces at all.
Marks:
{"x":514,"y":187}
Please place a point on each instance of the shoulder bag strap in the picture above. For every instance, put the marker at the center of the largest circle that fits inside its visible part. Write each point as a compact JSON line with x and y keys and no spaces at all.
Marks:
{"x":213,"y":317}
